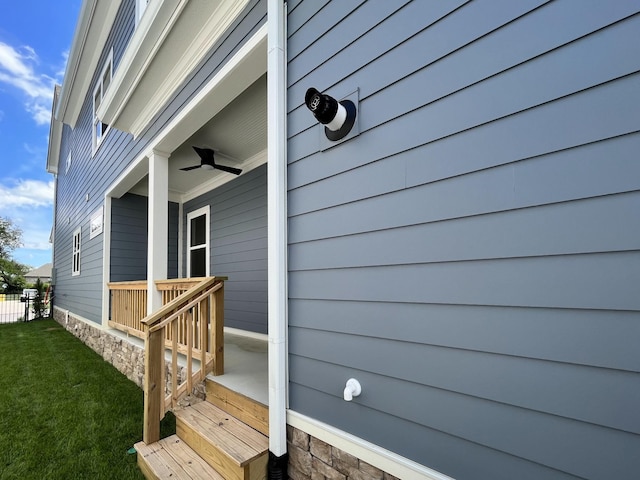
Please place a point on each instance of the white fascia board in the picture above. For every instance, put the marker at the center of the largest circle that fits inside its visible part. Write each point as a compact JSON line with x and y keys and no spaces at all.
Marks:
{"x":55,"y":136}
{"x":93,"y":27}
{"x":173,"y":40}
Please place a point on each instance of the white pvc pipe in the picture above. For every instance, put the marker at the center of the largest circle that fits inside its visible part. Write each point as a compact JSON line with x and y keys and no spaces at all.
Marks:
{"x":352,"y":389}
{"x":277,"y":224}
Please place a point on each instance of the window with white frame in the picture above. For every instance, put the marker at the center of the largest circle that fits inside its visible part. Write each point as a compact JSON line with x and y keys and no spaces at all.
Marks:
{"x":141,"y":6}
{"x":75,"y":261}
{"x":198,"y":243}
{"x":99,"y":128}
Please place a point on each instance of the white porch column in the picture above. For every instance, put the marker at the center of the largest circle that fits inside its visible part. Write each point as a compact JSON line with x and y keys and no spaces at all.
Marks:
{"x":158,"y":248}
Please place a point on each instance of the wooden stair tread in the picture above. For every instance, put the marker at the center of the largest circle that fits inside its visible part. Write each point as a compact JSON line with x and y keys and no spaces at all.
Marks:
{"x":238,"y":441}
{"x":171,"y":458}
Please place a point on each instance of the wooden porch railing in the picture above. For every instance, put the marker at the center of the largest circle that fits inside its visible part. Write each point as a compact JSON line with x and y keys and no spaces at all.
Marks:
{"x":200,"y":310}
{"x":129,"y":307}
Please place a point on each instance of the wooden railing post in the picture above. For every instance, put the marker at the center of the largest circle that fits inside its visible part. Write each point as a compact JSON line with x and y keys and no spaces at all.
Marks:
{"x":217,"y":330}
{"x":153,"y":394}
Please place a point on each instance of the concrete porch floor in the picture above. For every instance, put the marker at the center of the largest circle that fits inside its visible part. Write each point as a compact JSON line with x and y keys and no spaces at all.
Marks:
{"x":245,"y":366}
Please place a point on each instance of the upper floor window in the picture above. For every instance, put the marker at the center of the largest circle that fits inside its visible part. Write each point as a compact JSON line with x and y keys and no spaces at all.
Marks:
{"x":99,"y":128}
{"x":141,"y":6}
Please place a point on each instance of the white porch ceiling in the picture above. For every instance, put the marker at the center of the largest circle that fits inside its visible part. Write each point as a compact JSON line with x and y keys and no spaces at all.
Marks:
{"x":238,"y":134}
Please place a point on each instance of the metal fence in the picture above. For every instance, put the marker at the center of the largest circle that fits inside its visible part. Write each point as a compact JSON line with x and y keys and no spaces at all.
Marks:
{"x":12,"y":309}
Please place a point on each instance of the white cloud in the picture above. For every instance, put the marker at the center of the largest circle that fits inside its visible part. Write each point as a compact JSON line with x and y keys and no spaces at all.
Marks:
{"x":18,"y":69}
{"x":29,"y":206}
{"x":26,"y":193}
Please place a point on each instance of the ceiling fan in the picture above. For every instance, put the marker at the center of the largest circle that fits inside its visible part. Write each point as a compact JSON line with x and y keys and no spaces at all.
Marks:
{"x":207,"y":162}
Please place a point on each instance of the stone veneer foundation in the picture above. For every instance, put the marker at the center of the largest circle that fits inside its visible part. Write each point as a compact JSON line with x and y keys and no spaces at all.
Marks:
{"x":125,"y":356}
{"x":313,"y":459}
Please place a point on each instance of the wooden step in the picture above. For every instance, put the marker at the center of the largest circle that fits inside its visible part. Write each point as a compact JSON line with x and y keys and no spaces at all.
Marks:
{"x":240,"y":406}
{"x":233,"y":448}
{"x":173,"y":459}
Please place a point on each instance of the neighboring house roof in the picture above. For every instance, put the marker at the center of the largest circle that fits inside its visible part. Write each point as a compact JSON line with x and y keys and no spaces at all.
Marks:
{"x":43,"y":271}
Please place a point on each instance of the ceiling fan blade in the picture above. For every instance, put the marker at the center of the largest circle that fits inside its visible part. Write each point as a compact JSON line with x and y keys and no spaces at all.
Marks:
{"x":204,"y":153}
{"x":235,"y":171}
{"x":186,"y":169}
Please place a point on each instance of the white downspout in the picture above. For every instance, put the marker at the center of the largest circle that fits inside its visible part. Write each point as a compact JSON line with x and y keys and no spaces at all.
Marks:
{"x":277,"y":224}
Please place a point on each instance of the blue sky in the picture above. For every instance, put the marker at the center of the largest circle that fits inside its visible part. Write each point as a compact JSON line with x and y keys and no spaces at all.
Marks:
{"x":35,"y":38}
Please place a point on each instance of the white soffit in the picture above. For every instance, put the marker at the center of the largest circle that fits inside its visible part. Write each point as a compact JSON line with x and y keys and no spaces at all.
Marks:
{"x":170,"y":41}
{"x":240,"y":72}
{"x":93,"y":27}
{"x":55,"y":135}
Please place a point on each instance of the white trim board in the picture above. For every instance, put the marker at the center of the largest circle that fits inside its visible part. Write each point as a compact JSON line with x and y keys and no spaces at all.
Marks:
{"x":379,"y":457}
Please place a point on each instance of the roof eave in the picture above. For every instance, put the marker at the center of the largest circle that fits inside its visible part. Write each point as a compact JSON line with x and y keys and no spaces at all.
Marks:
{"x":93,"y":27}
{"x":55,"y":135}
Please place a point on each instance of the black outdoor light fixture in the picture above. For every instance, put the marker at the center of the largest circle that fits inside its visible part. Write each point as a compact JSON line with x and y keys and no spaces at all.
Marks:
{"x":337,"y":117}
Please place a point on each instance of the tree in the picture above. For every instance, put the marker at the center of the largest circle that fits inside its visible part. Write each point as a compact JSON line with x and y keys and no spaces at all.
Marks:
{"x":39,"y":305}
{"x":12,"y":275}
{"x":11,"y":272}
{"x":10,"y":238}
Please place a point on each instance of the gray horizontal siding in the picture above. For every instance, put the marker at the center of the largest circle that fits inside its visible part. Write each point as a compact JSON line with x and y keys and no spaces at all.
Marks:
{"x":94,"y":175}
{"x":565,"y":390}
{"x":129,"y":222}
{"x":536,"y":333}
{"x":238,"y":235}
{"x":129,"y":219}
{"x":472,"y":256}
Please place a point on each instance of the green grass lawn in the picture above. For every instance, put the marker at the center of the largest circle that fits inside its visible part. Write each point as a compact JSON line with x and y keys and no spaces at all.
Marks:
{"x":64,"y":412}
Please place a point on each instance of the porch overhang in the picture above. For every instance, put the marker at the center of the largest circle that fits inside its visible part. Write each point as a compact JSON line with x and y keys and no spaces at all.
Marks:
{"x":170,"y":41}
{"x":240,"y":72}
